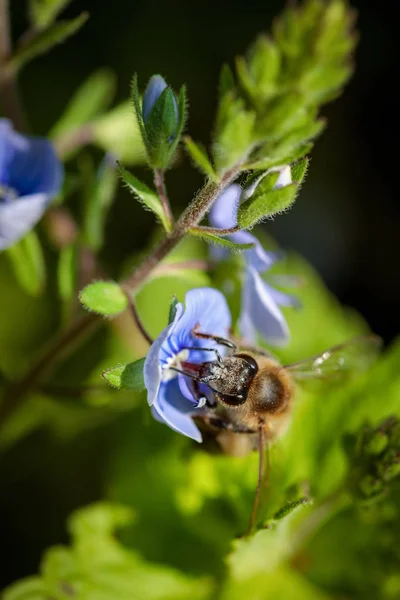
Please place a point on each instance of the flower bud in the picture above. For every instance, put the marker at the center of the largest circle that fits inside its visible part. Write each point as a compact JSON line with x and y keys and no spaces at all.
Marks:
{"x":269,"y":181}
{"x":155,"y":88}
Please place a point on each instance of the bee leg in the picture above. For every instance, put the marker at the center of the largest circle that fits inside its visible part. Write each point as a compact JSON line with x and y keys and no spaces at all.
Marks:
{"x":261,"y":477}
{"x":209,"y":336}
{"x":217,"y":354}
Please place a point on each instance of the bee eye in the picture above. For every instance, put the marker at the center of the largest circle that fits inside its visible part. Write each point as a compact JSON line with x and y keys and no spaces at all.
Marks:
{"x":250,"y":361}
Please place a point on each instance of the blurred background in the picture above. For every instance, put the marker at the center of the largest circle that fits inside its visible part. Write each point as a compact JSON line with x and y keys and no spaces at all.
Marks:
{"x":346,"y":222}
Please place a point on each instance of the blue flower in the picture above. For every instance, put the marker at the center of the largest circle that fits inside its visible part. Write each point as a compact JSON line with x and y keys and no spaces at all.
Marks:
{"x":30,"y":176}
{"x":170,"y":394}
{"x":155,"y":88}
{"x":260,"y":312}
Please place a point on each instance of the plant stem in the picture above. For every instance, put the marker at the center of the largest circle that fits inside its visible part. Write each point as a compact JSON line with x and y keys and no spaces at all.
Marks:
{"x":162,"y":194}
{"x":193,"y":215}
{"x":9,"y":95}
{"x":217,"y":230}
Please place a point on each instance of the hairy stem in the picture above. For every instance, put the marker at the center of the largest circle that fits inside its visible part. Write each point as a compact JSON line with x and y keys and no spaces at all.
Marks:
{"x":162,"y":194}
{"x":79,"y":330}
{"x":9,"y":95}
{"x":217,"y":230}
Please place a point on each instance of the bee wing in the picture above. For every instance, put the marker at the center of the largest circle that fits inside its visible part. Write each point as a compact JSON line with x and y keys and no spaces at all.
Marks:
{"x":354,"y":355}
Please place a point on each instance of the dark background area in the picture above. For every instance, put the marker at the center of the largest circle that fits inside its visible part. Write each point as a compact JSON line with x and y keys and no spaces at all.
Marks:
{"x":345,"y":222}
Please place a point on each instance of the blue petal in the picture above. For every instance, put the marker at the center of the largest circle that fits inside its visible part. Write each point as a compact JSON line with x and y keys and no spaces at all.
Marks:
{"x":20,"y":216}
{"x":260,"y":312}
{"x":28,"y":165}
{"x":224,"y":216}
{"x":173,"y":409}
{"x":207,"y":309}
{"x":187,"y":389}
{"x":155,"y":359}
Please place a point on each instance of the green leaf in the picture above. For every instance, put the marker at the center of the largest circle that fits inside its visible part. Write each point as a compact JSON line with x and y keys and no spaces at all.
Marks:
{"x":199,"y":156}
{"x":44,"y":12}
{"x":98,"y":202}
{"x":66,"y":272}
{"x":87,"y":103}
{"x":45,"y":40}
{"x":104,"y":298}
{"x":129,"y":377}
{"x":137,"y":106}
{"x":211,"y":238}
{"x":299,"y":170}
{"x":96,"y":566}
{"x":172,"y":309}
{"x":234,"y":132}
{"x":117,"y":132}
{"x":145,"y":195}
{"x":265,"y":203}
{"x":27,"y":261}
{"x":259,"y":72}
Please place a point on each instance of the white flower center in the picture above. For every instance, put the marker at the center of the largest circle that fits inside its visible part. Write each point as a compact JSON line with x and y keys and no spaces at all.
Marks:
{"x":175,"y":362}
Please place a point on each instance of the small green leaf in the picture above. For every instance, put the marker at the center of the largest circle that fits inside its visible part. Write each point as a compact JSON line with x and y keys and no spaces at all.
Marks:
{"x":162,"y":129}
{"x":45,"y":40}
{"x":261,"y":205}
{"x":145,"y":195}
{"x":182,"y":116}
{"x":44,"y":12}
{"x":27,"y":260}
{"x":128,"y":377}
{"x":199,"y":156}
{"x":137,"y":106}
{"x":172,"y":309}
{"x":87,"y":103}
{"x":299,"y":170}
{"x":211,"y":238}
{"x":258,"y":73}
{"x":289,"y":507}
{"x":117,"y":132}
{"x":234,"y":132}
{"x":104,"y":298}
{"x":66,"y":272}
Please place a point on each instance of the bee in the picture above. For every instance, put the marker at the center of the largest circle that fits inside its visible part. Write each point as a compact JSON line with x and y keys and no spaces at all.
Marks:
{"x":252,"y":394}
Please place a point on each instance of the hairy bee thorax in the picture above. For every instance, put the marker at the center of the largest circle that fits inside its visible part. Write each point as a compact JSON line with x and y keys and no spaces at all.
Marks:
{"x":267,"y":401}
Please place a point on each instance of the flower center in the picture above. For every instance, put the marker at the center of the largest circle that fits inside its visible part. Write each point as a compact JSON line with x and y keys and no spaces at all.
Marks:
{"x":7,"y":194}
{"x":176,"y":362}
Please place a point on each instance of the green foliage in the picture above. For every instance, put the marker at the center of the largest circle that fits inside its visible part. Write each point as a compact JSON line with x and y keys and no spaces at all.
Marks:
{"x":27,"y":261}
{"x":172,"y":309}
{"x":199,"y":156}
{"x":265,"y":198}
{"x":96,"y":566}
{"x":145,"y":195}
{"x":217,"y":240}
{"x":128,"y":377}
{"x":284,"y":79}
{"x":104,"y":297}
{"x":44,"y":12}
{"x":45,"y":40}
{"x":90,"y":100}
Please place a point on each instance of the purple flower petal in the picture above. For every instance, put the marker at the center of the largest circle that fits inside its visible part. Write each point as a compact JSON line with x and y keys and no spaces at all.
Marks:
{"x":173,"y":409}
{"x":206,"y":308}
{"x":224,"y":216}
{"x":17,"y":217}
{"x":28,"y":165}
{"x":260,"y":313}
{"x":155,"y":359}
{"x":155,"y":88}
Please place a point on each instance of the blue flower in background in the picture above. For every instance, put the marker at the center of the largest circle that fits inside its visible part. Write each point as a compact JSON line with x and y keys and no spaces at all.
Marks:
{"x":260,"y":312}
{"x":171,"y":394}
{"x":155,"y":88}
{"x":30,"y":176}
